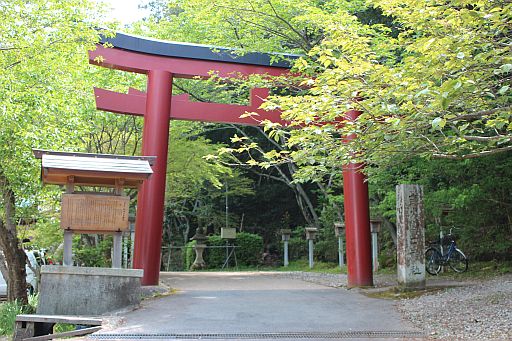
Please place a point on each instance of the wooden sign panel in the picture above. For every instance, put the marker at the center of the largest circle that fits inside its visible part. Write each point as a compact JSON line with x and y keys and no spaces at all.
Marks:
{"x":228,"y":233}
{"x":94,"y":213}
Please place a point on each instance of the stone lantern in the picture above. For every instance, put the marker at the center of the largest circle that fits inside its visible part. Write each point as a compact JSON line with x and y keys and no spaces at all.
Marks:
{"x":375,"y":227}
{"x":285,"y":235}
{"x":200,"y":239}
{"x":339,"y":231}
{"x":310,"y":236}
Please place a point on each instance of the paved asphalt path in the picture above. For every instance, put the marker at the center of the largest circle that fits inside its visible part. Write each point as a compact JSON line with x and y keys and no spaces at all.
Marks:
{"x":251,"y":303}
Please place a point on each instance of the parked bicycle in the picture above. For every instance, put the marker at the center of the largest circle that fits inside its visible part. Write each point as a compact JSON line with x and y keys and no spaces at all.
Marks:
{"x":435,"y":258}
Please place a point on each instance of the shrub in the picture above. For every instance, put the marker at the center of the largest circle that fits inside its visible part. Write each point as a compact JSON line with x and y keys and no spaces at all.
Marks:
{"x":189,"y":255}
{"x":297,"y":248}
{"x":216,"y":256}
{"x":248,"y":252}
{"x":93,"y":256}
{"x":250,"y":248}
{"x":326,"y":250}
{"x":9,"y":310}
{"x":173,"y":259}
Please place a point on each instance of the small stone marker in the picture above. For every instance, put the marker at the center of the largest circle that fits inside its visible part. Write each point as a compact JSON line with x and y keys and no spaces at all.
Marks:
{"x":410,"y":221}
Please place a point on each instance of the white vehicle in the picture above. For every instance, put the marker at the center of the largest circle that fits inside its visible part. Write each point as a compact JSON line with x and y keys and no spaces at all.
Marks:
{"x":3,"y":286}
{"x":36,"y":259}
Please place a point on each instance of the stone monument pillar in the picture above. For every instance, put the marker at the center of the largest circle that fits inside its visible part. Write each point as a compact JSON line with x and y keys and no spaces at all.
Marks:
{"x":410,"y":222}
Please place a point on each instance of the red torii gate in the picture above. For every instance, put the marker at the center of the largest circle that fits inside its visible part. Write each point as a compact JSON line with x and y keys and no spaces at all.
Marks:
{"x":162,"y":61}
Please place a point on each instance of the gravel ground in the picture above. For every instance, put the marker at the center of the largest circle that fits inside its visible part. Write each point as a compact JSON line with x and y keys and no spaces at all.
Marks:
{"x":330,"y":280}
{"x":478,"y":310}
{"x":474,"y":310}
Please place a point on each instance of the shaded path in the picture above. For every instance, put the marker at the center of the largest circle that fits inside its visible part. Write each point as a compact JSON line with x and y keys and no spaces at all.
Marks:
{"x":256,"y":303}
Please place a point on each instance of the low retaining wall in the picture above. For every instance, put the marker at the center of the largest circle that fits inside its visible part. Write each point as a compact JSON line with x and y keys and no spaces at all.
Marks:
{"x":67,"y":290}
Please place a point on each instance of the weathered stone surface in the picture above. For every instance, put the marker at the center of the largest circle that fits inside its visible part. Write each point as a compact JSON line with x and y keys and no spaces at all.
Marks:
{"x":69,"y":290}
{"x":199,"y":262}
{"x":410,"y":222}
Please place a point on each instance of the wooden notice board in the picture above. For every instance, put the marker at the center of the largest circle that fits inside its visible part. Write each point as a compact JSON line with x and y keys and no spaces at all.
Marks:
{"x":92,"y":213}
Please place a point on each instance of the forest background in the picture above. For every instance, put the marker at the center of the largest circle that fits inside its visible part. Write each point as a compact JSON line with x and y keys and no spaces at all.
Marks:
{"x":432,"y":80}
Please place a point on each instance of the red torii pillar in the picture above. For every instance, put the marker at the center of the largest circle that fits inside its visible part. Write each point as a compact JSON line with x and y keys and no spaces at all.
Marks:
{"x":357,"y":220}
{"x":151,"y":198}
{"x":158,"y":106}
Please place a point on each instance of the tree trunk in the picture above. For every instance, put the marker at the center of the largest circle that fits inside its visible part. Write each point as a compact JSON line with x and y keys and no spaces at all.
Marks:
{"x":308,"y":205}
{"x":3,"y":267}
{"x":15,"y":258}
{"x":392,"y":229}
{"x":303,"y":201}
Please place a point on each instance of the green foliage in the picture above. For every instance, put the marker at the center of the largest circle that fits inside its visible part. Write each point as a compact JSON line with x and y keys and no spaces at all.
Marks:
{"x":188,"y":171}
{"x":297,"y":247}
{"x":42,"y":82}
{"x":478,"y":191}
{"x":248,"y":252}
{"x":326,"y":250}
{"x":250,"y":248}
{"x":480,"y":270}
{"x":189,"y":254}
{"x":319,"y":266}
{"x":9,"y":310}
{"x":63,"y":327}
{"x":432,"y":79}
{"x":438,"y":87}
{"x":196,"y":187}
{"x":259,"y":26}
{"x":43,"y":63}
{"x":93,"y":256}
{"x":215,"y":257}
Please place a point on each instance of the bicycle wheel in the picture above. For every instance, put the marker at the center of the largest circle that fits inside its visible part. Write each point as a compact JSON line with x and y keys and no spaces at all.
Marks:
{"x":432,"y":261}
{"x":458,"y":261}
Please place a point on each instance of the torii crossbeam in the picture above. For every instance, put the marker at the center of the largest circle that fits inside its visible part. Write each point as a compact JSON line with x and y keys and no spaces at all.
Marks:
{"x":162,"y":61}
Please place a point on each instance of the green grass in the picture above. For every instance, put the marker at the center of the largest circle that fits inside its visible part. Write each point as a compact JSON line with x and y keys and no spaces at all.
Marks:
{"x":303,"y":265}
{"x":9,"y":310}
{"x":63,"y":327}
{"x":478,"y":270}
{"x":387,"y":271}
{"x":298,"y":265}
{"x":395,"y":293}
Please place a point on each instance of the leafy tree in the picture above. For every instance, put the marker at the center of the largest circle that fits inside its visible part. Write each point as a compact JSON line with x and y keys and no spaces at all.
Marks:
{"x":476,"y":194}
{"x":196,"y":187}
{"x":261,"y":25}
{"x":431,"y":79}
{"x":439,"y":88}
{"x":43,"y":50}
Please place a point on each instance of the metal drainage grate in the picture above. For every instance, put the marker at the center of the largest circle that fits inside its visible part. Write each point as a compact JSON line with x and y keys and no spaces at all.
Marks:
{"x":279,"y":335}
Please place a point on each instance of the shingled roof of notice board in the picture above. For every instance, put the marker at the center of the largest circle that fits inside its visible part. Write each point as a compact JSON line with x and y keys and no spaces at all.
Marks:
{"x":93,"y":169}
{"x":197,"y":51}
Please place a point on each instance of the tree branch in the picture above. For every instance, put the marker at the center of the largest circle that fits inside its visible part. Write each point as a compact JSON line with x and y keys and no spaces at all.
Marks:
{"x":197,"y":98}
{"x":488,"y":138}
{"x":478,"y":114}
{"x":276,"y":32}
{"x":287,"y":23}
{"x":472,"y":155}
